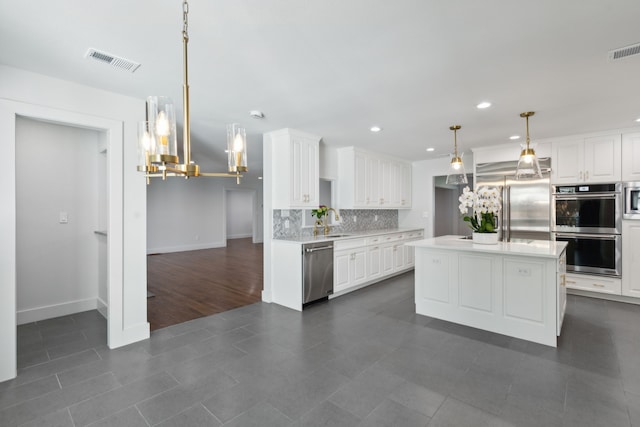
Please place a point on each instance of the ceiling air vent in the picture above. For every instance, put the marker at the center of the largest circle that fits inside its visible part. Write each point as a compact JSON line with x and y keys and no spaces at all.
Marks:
{"x":114,"y":61}
{"x":624,"y":52}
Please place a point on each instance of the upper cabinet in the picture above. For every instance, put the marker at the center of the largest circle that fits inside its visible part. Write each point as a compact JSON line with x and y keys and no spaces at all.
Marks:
{"x":631,"y":157}
{"x":295,"y":171}
{"x":589,"y":160}
{"x":372,"y":181}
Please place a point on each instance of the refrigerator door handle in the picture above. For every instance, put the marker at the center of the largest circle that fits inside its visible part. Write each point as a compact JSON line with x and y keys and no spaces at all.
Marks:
{"x":506,"y":228}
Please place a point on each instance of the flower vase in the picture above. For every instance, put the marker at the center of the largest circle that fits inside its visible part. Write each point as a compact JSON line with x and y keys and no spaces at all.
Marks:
{"x":485,"y":238}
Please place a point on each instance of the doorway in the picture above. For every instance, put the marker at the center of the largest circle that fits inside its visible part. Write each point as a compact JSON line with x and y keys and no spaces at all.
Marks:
{"x":220,"y":268}
{"x":447,"y":218}
{"x":57,"y":219}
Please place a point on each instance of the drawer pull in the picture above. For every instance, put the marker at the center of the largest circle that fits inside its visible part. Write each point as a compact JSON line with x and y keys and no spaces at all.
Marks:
{"x":571,"y":281}
{"x":598,"y":285}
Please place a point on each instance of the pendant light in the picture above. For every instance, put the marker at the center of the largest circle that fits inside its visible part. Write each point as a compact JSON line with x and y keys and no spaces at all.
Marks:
{"x":157,"y":142}
{"x":457,"y":174}
{"x":528,"y":165}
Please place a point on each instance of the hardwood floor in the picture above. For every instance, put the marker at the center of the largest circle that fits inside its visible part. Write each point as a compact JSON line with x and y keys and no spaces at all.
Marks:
{"x":193,"y":284}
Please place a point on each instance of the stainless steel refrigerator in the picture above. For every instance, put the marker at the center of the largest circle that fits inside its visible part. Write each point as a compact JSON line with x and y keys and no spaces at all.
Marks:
{"x":525,"y":213}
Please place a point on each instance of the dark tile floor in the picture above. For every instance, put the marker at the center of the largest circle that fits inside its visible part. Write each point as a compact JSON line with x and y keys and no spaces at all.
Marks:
{"x":364,"y":359}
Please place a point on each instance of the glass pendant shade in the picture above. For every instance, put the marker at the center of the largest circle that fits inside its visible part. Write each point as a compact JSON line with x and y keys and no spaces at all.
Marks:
{"x":237,"y":148}
{"x":146,"y":146}
{"x":161,"y":115}
{"x":528,"y":165}
{"x":457,"y":174}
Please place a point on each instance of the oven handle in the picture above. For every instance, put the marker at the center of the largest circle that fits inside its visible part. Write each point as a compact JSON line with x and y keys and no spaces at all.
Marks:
{"x":561,"y":196}
{"x":590,"y":236}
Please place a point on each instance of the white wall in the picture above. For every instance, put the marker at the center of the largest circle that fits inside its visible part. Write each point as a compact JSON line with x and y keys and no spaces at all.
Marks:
{"x":33,"y":95}
{"x":57,"y":264}
{"x":189,"y":214}
{"x":239,"y":214}
{"x":422,"y":210}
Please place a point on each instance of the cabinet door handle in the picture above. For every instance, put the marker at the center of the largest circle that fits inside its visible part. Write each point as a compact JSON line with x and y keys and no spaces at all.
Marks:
{"x":598,"y":285}
{"x":580,"y":176}
{"x":586,"y":176}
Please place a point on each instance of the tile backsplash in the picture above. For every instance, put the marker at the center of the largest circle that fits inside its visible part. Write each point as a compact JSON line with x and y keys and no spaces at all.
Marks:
{"x":351,"y":220}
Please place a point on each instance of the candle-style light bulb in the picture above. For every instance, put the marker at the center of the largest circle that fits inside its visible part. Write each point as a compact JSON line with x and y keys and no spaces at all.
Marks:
{"x":162,"y":130}
{"x":238,"y":147}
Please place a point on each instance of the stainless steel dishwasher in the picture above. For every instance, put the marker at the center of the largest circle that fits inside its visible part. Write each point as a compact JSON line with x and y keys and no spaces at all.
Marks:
{"x":317,"y":271}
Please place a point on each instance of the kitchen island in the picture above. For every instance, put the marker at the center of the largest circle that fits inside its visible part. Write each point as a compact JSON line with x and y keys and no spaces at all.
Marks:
{"x":514,"y":289}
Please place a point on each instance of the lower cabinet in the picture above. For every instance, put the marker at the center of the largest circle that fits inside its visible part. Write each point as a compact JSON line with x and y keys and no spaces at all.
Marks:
{"x":631,"y":258}
{"x":601,"y":284}
{"x":349,"y":268}
{"x":362,"y":261}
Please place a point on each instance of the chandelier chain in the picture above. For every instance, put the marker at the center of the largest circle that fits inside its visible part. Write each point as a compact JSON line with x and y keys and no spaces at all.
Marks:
{"x":185,"y":20}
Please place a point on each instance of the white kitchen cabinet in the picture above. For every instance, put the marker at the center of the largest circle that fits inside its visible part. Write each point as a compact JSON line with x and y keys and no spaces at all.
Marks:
{"x":510,"y":292}
{"x":349,"y":264}
{"x":295,"y":166}
{"x":388,"y":259}
{"x":631,"y":258}
{"x":399,"y":259}
{"x":405,"y":185}
{"x":631,"y":157}
{"x":374,"y":258}
{"x":410,"y":251}
{"x":372,"y":181}
{"x":600,"y":284}
{"x":588,"y":160}
{"x":562,"y":291}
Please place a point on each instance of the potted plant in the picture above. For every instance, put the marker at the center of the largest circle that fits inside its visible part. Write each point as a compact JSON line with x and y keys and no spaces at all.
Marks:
{"x":485,"y":205}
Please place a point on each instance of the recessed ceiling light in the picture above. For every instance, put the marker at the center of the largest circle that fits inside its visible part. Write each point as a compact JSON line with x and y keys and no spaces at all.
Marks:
{"x":256,"y":114}
{"x":375,"y":129}
{"x":483,"y":104}
{"x":514,"y":137}
{"x":430,"y":149}
{"x":638,"y":120}
{"x":259,"y":177}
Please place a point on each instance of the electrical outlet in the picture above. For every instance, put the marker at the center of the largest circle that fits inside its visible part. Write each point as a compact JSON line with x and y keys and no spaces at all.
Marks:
{"x":286,"y":224}
{"x":355,"y":218}
{"x":375,"y":217}
{"x":63,"y":218}
{"x":197,"y":237}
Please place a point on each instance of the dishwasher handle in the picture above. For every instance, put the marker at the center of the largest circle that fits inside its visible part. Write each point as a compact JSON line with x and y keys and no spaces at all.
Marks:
{"x":321,"y":248}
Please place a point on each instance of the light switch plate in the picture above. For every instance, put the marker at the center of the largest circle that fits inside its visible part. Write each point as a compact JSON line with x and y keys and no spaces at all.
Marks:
{"x":63,"y":218}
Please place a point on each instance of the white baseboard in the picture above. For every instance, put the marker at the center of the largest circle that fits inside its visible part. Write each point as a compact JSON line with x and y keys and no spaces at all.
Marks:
{"x":56,"y":310}
{"x":239,"y":236}
{"x":184,"y":248}
{"x":266,"y":296}
{"x":102,"y":307}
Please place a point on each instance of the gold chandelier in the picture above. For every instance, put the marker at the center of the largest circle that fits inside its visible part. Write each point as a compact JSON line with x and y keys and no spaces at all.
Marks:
{"x":157,"y":140}
{"x":457,"y":174}
{"x":528,"y":165}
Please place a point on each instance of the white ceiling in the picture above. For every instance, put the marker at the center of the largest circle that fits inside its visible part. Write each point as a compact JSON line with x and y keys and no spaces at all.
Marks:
{"x":335,"y":68}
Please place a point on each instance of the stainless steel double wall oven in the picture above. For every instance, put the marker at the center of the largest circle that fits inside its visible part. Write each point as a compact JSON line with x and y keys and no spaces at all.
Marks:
{"x":589,"y":219}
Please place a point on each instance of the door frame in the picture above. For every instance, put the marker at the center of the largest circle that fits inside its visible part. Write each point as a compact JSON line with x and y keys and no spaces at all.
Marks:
{"x":114,"y":131}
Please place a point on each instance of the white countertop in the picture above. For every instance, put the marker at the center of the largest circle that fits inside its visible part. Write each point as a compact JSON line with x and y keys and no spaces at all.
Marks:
{"x":345,"y":235}
{"x":535,"y":248}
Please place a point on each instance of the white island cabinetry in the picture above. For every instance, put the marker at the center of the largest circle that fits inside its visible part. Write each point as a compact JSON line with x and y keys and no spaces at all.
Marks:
{"x":515,"y":289}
